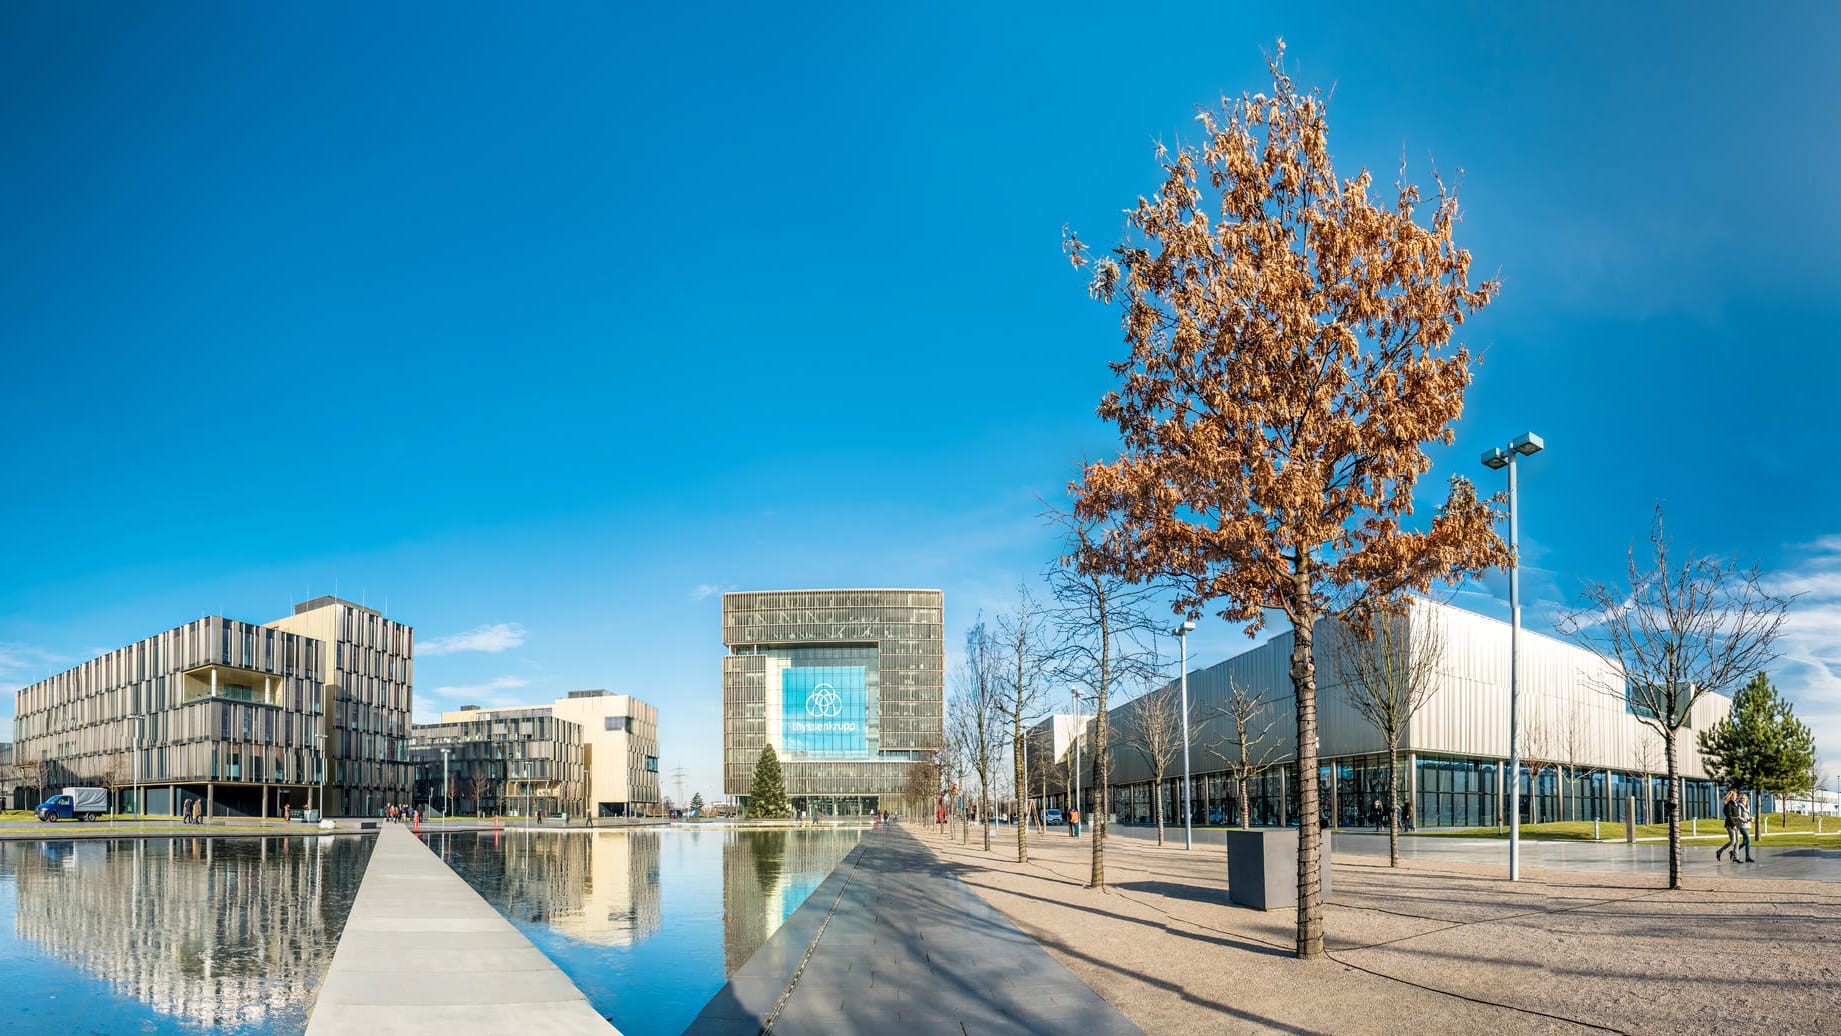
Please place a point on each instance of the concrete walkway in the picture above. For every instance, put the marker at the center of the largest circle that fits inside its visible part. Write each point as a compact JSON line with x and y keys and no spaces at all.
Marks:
{"x":423,"y":953}
{"x":893,"y":942}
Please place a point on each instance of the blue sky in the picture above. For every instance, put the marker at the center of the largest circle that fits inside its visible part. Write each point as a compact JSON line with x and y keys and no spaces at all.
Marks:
{"x":545,"y":327}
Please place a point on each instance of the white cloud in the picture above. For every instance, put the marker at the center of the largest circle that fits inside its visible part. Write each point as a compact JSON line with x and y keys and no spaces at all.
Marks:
{"x":22,"y":663}
{"x":429,"y":704}
{"x":1809,"y":669}
{"x":500,"y":636}
{"x":705,"y":591}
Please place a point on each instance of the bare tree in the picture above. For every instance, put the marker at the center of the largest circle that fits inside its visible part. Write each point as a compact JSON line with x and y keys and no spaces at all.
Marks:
{"x":1246,"y":746}
{"x":1026,"y":658}
{"x":1684,"y":627}
{"x":1540,"y":752}
{"x":979,"y":722}
{"x":964,"y":729}
{"x":1576,"y":742}
{"x":1104,"y":634}
{"x":32,"y":775}
{"x":111,"y":776}
{"x":1389,"y":672}
{"x":922,"y":787}
{"x":1155,"y":732}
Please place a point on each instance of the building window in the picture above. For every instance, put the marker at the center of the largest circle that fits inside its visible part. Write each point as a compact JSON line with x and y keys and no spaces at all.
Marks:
{"x":652,"y":764}
{"x":616,"y":722}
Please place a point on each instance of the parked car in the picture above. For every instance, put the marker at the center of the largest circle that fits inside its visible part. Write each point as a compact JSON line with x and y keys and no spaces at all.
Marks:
{"x":1052,"y":818}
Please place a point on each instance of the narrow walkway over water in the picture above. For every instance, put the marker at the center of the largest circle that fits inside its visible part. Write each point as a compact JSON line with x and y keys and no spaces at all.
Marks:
{"x":423,"y":953}
{"x":894,"y":941}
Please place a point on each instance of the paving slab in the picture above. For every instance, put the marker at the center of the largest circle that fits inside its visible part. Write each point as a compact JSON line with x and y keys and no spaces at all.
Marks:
{"x":893,"y":942}
{"x":422,"y":953}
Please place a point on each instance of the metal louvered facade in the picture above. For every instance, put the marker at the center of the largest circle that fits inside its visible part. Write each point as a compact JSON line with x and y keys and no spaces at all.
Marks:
{"x":848,"y":685}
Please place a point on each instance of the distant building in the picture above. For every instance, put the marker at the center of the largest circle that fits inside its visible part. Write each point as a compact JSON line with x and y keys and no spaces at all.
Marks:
{"x":1584,"y":754}
{"x":589,"y":752}
{"x":307,"y":711}
{"x":847,"y":685}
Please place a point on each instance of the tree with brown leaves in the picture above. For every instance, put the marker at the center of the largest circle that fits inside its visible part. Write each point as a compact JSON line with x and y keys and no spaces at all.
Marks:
{"x":1292,"y":352}
{"x":1683,"y":627}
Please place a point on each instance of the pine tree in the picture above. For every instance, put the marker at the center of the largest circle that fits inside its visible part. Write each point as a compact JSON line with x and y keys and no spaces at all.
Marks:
{"x":696,"y":802}
{"x":767,"y":792}
{"x":1762,"y":746}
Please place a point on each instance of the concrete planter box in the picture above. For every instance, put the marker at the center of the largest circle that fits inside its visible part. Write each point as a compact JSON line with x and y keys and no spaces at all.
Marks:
{"x":1262,"y":867}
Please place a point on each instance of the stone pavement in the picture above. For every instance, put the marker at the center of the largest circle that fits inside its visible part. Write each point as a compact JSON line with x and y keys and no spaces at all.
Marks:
{"x":892,"y":942}
{"x":423,"y":953}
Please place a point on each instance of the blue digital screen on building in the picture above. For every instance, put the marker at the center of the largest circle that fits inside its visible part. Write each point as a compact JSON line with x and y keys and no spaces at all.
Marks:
{"x":824,"y":711}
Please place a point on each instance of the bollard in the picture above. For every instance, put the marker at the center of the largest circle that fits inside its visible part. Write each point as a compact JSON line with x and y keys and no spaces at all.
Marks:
{"x":1695,"y":826}
{"x":1594,"y":829}
{"x":1630,"y":819}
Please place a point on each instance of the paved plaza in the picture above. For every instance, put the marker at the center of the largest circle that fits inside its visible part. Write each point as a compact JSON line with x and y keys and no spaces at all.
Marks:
{"x":892,"y":942}
{"x":1590,"y":940}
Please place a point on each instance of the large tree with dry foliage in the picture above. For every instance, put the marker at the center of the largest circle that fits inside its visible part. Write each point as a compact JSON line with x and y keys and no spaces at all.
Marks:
{"x":1681,"y":627}
{"x":1292,"y":352}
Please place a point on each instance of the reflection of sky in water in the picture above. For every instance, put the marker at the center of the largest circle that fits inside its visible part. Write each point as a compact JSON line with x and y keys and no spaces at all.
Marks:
{"x":170,"y":935}
{"x":648,"y":923}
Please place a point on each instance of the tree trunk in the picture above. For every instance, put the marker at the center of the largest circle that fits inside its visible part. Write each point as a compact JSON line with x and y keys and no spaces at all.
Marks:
{"x":1671,"y":808}
{"x":1310,"y":840}
{"x":1098,"y":878}
{"x":1246,"y":808}
{"x":984,"y":813}
{"x":1393,"y":803}
{"x":1157,"y":803}
{"x":1022,"y":785}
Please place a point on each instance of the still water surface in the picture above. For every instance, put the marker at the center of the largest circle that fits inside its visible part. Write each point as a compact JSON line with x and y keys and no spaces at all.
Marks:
{"x":185,"y":935}
{"x":170,"y":935}
{"x":649,"y":924}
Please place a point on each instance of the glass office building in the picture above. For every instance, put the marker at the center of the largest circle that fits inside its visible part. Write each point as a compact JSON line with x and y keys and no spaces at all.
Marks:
{"x":847,"y":685}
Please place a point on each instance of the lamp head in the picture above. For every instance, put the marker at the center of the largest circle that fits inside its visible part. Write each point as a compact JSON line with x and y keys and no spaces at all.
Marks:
{"x":1496,"y":459}
{"x":1188,"y":626}
{"x":1527,"y":444}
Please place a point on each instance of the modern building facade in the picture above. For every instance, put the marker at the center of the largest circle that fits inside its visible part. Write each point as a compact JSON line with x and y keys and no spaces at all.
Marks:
{"x":311,"y":711}
{"x":588,"y":753}
{"x":847,"y":685}
{"x":1585,"y":755}
{"x":513,"y":762}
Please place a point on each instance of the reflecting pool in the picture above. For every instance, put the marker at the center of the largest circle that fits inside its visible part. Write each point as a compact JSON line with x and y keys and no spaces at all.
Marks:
{"x":170,"y":935}
{"x":648,"y":923}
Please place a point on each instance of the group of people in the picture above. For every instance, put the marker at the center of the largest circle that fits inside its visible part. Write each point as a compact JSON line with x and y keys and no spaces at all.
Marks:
{"x":1377,"y":815}
{"x":404,"y":814}
{"x":1738,"y":812}
{"x":192,"y":812}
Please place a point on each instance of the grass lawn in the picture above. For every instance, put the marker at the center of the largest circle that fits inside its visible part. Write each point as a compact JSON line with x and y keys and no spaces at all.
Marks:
{"x":1801,"y":831}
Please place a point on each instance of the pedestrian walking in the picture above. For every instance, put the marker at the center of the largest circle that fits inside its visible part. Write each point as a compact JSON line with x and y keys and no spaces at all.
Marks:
{"x":1406,"y":815}
{"x":1378,"y":815}
{"x":1729,"y":810}
{"x":1744,"y":829}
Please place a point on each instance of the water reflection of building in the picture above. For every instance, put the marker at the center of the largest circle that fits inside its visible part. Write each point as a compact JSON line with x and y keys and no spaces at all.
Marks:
{"x":766,"y":875}
{"x":599,"y":887}
{"x":215,"y":931}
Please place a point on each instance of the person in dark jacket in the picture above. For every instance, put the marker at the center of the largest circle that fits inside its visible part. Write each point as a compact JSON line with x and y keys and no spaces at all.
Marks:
{"x":1729,"y":809}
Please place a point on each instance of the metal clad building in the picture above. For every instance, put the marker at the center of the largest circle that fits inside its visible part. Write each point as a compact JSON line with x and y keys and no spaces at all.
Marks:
{"x":1594,"y":753}
{"x":848,"y":686}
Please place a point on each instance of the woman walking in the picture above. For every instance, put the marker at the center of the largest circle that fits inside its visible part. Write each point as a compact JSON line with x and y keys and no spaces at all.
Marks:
{"x":1744,"y":829}
{"x":1729,"y":809}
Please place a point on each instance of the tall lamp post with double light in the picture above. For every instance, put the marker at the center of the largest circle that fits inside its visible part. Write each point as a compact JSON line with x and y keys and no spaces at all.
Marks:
{"x":1182,"y":637}
{"x":1524,"y":445}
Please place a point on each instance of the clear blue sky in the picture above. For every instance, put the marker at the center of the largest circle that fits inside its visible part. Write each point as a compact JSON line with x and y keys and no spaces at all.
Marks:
{"x":557,"y":321}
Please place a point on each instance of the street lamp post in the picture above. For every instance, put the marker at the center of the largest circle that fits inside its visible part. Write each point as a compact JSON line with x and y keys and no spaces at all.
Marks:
{"x":319,"y":773}
{"x":1524,"y":445}
{"x":1182,"y":637}
{"x":447,"y":800}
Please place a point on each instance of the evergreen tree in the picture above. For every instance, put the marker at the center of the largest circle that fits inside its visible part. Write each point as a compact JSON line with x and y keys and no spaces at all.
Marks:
{"x":767,"y":792}
{"x":1762,"y":746}
{"x":696,"y":802}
